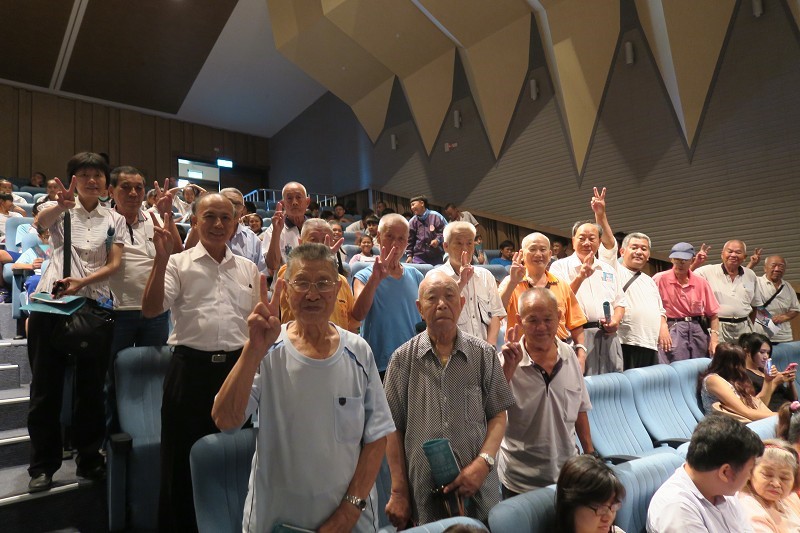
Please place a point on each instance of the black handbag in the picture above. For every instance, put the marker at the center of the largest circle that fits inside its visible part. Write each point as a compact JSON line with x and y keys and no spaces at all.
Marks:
{"x":91,"y":327}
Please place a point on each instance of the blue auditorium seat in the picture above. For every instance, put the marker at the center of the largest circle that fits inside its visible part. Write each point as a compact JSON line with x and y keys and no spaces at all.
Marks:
{"x":440,"y":526}
{"x":655,"y":387}
{"x":642,"y":478}
{"x":491,"y":254}
{"x":532,"y":511}
{"x":688,"y":371}
{"x":26,"y":195}
{"x":33,"y":191}
{"x":766,"y":428}
{"x":349,"y":251}
{"x":424,"y":268}
{"x":349,"y":237}
{"x":617,"y":431}
{"x":221,"y":466}
{"x":498,"y":271}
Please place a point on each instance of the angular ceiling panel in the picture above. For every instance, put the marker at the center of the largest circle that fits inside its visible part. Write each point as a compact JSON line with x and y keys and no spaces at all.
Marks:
{"x":686,"y":38}
{"x":305,"y":36}
{"x":495,"y":37}
{"x":579,"y":39}
{"x":402,"y":38}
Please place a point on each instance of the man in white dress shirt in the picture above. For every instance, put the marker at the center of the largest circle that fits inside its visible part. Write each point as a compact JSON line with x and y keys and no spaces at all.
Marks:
{"x":482,"y":311}
{"x":595,"y":284}
{"x":700,"y":497}
{"x":286,"y":225}
{"x":210,"y":292}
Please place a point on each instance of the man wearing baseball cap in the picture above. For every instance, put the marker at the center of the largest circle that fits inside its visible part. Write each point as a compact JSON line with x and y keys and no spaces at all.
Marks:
{"x":691,"y":309}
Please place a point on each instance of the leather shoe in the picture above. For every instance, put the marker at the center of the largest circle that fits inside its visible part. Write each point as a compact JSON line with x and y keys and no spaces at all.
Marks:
{"x":40,"y":483}
{"x":92,"y":473}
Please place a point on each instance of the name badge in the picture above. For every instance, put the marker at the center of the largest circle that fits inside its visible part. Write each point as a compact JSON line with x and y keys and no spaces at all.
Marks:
{"x":608,"y":276}
{"x":432,"y":228}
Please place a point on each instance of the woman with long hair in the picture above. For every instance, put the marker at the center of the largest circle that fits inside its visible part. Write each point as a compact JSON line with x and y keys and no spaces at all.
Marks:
{"x":774,"y":388}
{"x":726,"y":382}
{"x":588,"y":496}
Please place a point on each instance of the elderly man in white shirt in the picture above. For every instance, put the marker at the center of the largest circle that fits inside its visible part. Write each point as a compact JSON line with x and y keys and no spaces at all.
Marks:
{"x":482,"y":311}
{"x":700,"y":497}
{"x":284,"y":232}
{"x":598,"y":289}
{"x":210,"y":292}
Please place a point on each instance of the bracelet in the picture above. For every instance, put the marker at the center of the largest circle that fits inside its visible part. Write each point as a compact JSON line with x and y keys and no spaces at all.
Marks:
{"x":579,"y":346}
{"x":710,"y":331}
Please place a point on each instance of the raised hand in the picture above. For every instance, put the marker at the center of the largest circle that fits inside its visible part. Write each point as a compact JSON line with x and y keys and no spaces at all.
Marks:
{"x":517,"y":270}
{"x":162,"y":236}
{"x":701,"y":256}
{"x":380,"y":269}
{"x":587,"y":268}
{"x":512,"y":351}
{"x":755,"y":258}
{"x":66,"y":197}
{"x":466,"y":271}
{"x":264,"y":322}
{"x":278,"y":220}
{"x":599,"y":201}
{"x":164,"y":199}
{"x":335,"y":246}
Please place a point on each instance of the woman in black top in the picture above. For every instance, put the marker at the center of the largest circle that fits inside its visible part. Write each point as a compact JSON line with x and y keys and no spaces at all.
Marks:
{"x":780,"y":385}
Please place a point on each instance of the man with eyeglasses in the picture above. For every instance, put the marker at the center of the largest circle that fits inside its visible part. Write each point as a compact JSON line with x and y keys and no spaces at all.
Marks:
{"x":316,"y":387}
{"x":701,"y":494}
{"x":210,"y":292}
{"x":781,"y":304}
{"x":317,"y":231}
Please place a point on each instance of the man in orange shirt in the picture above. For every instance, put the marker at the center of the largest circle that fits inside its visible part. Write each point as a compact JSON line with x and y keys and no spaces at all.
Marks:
{"x":528,"y":270}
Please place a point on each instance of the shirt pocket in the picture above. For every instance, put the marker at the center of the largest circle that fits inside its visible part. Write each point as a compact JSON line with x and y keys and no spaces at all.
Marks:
{"x":473,"y":406}
{"x":348,"y":419}
{"x":572,"y":405}
{"x":484,"y":308}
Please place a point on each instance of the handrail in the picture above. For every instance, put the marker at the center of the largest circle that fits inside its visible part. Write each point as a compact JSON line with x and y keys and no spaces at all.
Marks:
{"x":274,"y":195}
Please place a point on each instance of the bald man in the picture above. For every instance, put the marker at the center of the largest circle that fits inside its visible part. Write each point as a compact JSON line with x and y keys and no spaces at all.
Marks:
{"x":736,"y":290}
{"x":550,"y":394}
{"x":444,"y":384}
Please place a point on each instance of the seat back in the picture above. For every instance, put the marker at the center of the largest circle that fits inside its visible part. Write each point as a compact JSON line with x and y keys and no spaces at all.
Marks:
{"x":424,"y":268}
{"x":614,"y":421}
{"x":688,"y":371}
{"x":655,"y":387}
{"x":498,"y":271}
{"x":26,"y":195}
{"x":349,"y":237}
{"x":221,"y":465}
{"x":766,"y":428}
{"x":11,"y":231}
{"x":140,"y":376}
{"x":491,"y":254}
{"x":349,"y":251}
{"x":642,"y":478}
{"x":532,"y":511}
{"x":440,"y":525}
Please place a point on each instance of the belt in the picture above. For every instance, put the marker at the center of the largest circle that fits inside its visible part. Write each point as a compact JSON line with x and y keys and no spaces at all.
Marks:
{"x":591,"y":325}
{"x":212,"y":357}
{"x":732,"y":320}
{"x":684,"y":319}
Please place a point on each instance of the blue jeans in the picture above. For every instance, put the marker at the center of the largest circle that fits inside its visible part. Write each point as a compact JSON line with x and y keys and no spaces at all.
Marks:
{"x":131,"y":329}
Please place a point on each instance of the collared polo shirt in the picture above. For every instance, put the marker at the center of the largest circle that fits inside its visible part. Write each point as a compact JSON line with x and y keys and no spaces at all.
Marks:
{"x":245,"y":243}
{"x":784,"y":302}
{"x":540,"y":435}
{"x":694,"y":299}
{"x":736,"y":297}
{"x":602,"y":286}
{"x":453,"y":402}
{"x":210,"y":301}
{"x":290,"y":238}
{"x":679,"y":507}
{"x":571,"y":315}
{"x":138,"y":253}
{"x":482,"y":300}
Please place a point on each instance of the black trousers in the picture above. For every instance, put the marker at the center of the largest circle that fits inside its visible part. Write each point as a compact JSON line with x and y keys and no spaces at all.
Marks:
{"x":48,"y":365}
{"x":192,"y":381}
{"x":638,"y":357}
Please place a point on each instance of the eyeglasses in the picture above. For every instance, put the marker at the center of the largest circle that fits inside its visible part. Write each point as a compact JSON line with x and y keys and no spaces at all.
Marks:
{"x":605,"y":510}
{"x":303,"y":286}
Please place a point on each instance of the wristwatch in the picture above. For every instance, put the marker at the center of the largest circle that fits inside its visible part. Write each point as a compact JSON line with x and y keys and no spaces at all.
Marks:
{"x":489,"y":460}
{"x":581,"y":346}
{"x":360,"y":503}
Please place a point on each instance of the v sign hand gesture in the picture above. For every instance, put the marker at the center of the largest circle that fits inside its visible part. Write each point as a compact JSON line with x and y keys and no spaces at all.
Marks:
{"x":264,"y":322}
{"x":599,"y":201}
{"x":512,"y":351}
{"x":66,"y":197}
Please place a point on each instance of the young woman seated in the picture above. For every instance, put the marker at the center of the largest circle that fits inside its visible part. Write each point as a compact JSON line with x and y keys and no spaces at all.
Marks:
{"x":726,"y":384}
{"x":588,"y":496}
{"x":778,"y":387}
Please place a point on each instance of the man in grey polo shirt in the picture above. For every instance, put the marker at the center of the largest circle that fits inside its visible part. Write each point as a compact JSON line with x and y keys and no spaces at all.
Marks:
{"x":736,"y":290}
{"x":551,"y":398}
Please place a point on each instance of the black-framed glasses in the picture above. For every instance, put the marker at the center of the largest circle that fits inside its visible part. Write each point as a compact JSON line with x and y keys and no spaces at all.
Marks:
{"x":605,"y":510}
{"x":303,"y":286}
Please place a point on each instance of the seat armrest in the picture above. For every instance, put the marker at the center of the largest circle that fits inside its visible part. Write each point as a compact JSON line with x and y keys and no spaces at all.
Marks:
{"x":121,"y":442}
{"x":672,"y":443}
{"x":617,"y":459}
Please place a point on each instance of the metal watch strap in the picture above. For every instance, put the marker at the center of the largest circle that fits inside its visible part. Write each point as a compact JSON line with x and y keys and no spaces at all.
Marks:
{"x":359,"y":503}
{"x":489,"y":460}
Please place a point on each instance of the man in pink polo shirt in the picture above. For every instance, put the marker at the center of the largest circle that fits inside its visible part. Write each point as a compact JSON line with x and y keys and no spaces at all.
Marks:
{"x":691,"y":309}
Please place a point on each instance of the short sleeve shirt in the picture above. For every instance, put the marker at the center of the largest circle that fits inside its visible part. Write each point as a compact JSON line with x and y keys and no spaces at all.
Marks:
{"x":602,"y":286}
{"x":453,"y":402}
{"x":341,"y":315}
{"x":137,"y":261}
{"x":290,"y":238}
{"x":736,"y":297}
{"x":315,"y":416}
{"x":784,"y":302}
{"x":693,"y":299}
{"x":571,"y":314}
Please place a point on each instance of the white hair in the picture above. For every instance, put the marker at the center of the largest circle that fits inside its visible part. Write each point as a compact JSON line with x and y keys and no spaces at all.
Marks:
{"x":533,"y":236}
{"x":458,"y":226}
{"x":390,"y":220}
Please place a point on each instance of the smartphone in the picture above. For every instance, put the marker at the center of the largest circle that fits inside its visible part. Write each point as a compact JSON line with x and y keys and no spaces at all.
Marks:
{"x":768,"y":366}
{"x":790,"y":367}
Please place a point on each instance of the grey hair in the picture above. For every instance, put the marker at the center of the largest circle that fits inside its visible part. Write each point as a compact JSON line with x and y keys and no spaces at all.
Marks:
{"x":537,"y":293}
{"x":531,"y":236}
{"x":233,"y":190}
{"x":740,"y":241}
{"x":293,"y":183}
{"x":580,"y":223}
{"x":315,"y":224}
{"x":458,"y":226}
{"x":310,"y":252}
{"x":390,"y":219}
{"x":210,"y":196}
{"x":636,"y":235}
